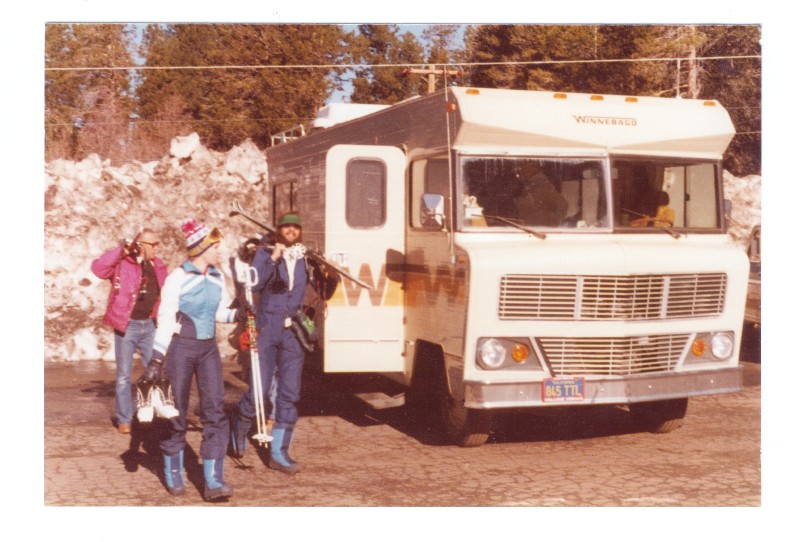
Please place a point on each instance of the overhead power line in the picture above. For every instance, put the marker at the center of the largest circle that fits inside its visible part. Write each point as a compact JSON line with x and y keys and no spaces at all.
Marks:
{"x":418,"y":65}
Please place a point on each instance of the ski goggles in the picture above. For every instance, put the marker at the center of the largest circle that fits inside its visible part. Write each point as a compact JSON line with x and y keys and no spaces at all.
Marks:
{"x":214,"y":236}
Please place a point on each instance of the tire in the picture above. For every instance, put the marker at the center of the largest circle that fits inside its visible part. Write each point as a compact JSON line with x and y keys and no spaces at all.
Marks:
{"x":466,"y":427}
{"x":428,"y":402}
{"x":659,"y":416}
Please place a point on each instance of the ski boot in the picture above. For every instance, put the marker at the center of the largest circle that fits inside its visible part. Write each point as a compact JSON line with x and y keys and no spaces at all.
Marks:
{"x":279,"y":449}
{"x":215,"y":486}
{"x":173,"y":474}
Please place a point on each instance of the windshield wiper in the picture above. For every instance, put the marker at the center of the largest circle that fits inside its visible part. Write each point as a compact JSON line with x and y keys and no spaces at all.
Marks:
{"x":510,"y":222}
{"x":673,"y":233}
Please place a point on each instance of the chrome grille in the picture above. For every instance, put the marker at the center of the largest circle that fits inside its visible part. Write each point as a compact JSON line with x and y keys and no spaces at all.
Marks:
{"x":613,"y":356}
{"x":611,"y":297}
{"x":693,"y":295}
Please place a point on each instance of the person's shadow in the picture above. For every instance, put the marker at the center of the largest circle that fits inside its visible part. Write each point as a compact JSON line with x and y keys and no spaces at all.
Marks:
{"x":144,"y":451}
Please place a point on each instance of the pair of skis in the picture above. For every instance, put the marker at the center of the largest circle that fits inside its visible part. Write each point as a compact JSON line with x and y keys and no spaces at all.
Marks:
{"x":248,"y":276}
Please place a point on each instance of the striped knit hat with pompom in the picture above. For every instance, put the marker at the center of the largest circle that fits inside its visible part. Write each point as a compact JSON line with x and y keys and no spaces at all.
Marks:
{"x":199,"y":236}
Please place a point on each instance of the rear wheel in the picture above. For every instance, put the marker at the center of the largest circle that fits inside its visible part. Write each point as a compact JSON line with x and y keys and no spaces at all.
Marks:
{"x":659,"y":416}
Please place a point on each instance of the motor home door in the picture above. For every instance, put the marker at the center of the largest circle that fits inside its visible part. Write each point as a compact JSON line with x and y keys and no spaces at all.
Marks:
{"x":364,"y":231}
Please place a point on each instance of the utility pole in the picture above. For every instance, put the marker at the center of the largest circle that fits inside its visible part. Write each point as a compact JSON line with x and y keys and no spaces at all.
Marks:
{"x":431,"y":71}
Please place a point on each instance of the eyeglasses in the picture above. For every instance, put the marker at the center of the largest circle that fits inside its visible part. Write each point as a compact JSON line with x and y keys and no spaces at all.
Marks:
{"x":149,"y":243}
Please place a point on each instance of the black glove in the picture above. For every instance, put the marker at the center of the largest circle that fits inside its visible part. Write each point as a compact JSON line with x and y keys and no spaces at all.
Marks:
{"x":248,"y":250}
{"x":243,"y":311}
{"x":152,"y":372}
{"x":129,"y":247}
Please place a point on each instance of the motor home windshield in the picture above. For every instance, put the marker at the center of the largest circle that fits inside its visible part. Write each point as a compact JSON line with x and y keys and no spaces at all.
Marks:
{"x":645,"y":195}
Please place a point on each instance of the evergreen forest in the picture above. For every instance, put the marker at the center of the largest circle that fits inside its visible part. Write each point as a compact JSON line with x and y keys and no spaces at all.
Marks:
{"x":123,"y":91}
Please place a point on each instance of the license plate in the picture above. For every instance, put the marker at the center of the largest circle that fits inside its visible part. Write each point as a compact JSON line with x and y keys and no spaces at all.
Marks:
{"x":563,"y":389}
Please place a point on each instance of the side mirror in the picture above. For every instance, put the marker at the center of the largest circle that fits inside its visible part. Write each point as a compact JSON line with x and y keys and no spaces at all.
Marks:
{"x":431,"y":211}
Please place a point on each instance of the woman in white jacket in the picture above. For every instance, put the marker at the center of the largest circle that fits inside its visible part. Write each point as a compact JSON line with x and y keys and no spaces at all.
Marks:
{"x":193,"y":299}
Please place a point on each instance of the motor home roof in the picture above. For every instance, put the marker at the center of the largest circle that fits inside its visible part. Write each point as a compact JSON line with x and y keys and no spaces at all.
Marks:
{"x":641,"y":125}
{"x":336,"y":113}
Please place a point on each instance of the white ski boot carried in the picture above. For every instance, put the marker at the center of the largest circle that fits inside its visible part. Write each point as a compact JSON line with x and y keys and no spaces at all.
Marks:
{"x":154,"y":398}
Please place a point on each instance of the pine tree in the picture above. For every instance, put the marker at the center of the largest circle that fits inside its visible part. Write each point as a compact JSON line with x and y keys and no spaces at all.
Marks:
{"x":87,"y":110}
{"x":377,"y":45}
{"x":227,"y":106}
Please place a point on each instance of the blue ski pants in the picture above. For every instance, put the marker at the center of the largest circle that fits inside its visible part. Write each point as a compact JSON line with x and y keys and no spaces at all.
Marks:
{"x":281,"y":356}
{"x":187,"y":358}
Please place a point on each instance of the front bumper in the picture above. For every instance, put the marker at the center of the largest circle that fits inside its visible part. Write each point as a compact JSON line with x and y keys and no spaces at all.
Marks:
{"x":607,"y":390}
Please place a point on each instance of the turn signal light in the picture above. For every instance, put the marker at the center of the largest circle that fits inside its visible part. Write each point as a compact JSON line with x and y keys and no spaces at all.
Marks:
{"x":698,"y":347}
{"x":520,"y":353}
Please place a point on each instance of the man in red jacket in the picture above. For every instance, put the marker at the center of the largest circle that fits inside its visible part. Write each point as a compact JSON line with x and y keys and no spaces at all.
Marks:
{"x":136,"y":276}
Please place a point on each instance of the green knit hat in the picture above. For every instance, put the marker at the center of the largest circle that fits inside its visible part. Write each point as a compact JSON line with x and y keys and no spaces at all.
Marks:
{"x":290,"y":218}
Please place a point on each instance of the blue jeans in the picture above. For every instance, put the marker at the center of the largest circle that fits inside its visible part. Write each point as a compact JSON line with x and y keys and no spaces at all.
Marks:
{"x":139,"y":335}
{"x":200,"y":359}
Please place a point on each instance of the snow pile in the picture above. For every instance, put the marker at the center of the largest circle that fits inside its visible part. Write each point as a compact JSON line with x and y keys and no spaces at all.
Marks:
{"x":90,"y":206}
{"x":745,"y":194}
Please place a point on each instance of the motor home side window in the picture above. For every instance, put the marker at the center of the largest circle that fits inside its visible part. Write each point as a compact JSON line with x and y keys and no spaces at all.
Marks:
{"x":499,"y":192}
{"x":430,"y":183}
{"x":659,"y":193}
{"x":365,"y":196}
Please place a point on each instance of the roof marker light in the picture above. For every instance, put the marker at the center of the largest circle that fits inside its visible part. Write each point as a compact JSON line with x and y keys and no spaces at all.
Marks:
{"x":710,"y":103}
{"x":560,"y":96}
{"x":473,"y":91}
{"x":631,"y":99}
{"x":596,"y":97}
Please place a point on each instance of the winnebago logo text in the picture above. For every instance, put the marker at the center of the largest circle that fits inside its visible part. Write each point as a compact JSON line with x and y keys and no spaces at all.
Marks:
{"x":609,"y":121}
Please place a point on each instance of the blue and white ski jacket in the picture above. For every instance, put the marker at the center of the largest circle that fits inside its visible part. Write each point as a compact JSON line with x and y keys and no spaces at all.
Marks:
{"x":191,"y":299}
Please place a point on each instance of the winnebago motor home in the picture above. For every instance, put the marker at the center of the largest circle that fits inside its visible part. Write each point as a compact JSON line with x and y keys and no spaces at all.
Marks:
{"x":525,"y":249}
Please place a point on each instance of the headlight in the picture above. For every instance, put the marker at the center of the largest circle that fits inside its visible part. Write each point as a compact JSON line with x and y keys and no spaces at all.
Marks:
{"x":507,"y":353}
{"x":711,"y":346}
{"x":492,"y":353}
{"x":721,"y":345}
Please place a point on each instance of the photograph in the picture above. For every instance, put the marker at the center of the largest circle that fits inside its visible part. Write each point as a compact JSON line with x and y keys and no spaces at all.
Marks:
{"x":420,"y":270}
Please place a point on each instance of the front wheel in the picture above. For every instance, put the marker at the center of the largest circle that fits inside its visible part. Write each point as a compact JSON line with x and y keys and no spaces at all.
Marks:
{"x":467,"y":427}
{"x":660,"y":416}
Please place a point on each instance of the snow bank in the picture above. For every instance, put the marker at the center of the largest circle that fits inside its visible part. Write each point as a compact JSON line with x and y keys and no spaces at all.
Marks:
{"x":90,"y":206}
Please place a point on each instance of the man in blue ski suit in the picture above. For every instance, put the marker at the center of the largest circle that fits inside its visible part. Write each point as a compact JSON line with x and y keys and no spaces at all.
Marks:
{"x":192,"y":300}
{"x":281,"y":280}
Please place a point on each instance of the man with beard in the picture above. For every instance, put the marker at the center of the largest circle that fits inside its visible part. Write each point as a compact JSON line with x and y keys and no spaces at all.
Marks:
{"x":281,"y":281}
